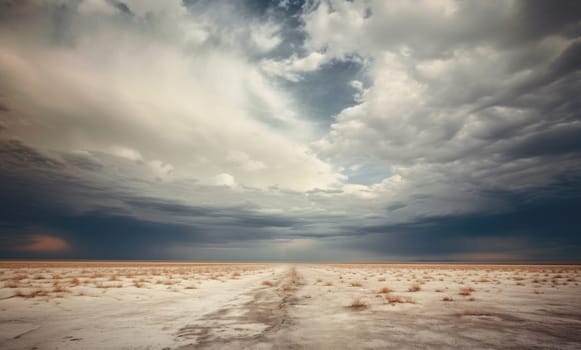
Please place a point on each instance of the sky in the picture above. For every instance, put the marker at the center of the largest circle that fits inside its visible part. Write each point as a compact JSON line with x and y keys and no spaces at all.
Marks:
{"x":325,"y":130}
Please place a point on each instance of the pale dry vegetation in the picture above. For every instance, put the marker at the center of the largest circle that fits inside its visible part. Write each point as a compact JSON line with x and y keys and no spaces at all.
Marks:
{"x":357,"y":303}
{"x":429,"y":280}
{"x":58,"y":279}
{"x":385,"y":290}
{"x":466,"y":291}
{"x":396,"y":299}
{"x":414,"y":288}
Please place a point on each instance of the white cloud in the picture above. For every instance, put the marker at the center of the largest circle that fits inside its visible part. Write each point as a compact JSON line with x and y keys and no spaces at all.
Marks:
{"x":436,"y":74}
{"x":291,"y":68}
{"x":265,"y":36}
{"x":224,"y":180}
{"x":155,"y":87}
{"x":185,"y":102}
{"x":242,"y":160}
{"x":128,"y":153}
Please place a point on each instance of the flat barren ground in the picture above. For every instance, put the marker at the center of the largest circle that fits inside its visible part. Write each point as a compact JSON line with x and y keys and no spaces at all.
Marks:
{"x":90,"y":305}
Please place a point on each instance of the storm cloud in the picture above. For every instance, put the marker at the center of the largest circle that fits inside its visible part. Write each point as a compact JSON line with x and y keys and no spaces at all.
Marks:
{"x":266,"y":130}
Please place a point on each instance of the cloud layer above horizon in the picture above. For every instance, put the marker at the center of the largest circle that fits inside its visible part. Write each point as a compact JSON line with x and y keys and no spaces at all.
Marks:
{"x":274,"y":130}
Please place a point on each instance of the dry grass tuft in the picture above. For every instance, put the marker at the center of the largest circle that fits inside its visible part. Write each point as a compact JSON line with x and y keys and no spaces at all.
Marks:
{"x":267,"y":283}
{"x":33,"y":294}
{"x":396,"y":299}
{"x":57,"y":288}
{"x":385,"y":290}
{"x":414,"y":288}
{"x":137,"y":284}
{"x":356,"y":284}
{"x":357,"y":303}
{"x":466,"y":291}
{"x":11,"y":284}
{"x":447,"y":299}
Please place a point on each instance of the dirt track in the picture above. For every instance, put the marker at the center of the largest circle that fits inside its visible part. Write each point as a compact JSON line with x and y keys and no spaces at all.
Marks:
{"x":284,"y":307}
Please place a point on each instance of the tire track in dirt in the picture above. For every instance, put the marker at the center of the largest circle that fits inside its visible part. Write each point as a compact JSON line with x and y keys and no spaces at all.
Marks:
{"x":255,"y":323}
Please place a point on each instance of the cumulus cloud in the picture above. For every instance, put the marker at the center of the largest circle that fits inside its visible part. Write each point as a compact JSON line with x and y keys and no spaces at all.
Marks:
{"x":291,"y":68}
{"x":451,"y":97}
{"x":142,"y":88}
{"x":305,"y":130}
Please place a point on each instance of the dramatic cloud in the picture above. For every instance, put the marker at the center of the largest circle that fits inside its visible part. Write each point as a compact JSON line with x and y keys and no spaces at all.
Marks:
{"x":325,"y":130}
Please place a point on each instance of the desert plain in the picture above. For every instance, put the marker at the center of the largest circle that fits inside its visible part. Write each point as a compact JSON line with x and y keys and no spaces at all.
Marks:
{"x":162,"y":305}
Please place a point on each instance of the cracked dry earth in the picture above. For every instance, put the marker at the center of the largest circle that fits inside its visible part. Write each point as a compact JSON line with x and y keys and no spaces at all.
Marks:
{"x":316,"y":306}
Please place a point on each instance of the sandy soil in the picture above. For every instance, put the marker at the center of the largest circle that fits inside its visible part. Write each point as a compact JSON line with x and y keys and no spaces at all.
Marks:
{"x":274,"y":306}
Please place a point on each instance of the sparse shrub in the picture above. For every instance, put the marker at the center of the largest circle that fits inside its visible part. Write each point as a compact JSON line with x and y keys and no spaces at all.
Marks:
{"x":396,"y":299}
{"x":385,"y":290}
{"x":267,"y":283}
{"x":466,"y":291}
{"x":414,"y":288}
{"x":356,"y":284}
{"x":57,"y":288}
{"x":19,"y":277}
{"x":10,"y":284}
{"x":447,"y":299}
{"x":34,"y":293}
{"x":357,"y":303}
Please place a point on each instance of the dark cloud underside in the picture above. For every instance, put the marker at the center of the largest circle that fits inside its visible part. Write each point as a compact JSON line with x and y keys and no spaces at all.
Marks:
{"x":317,"y":130}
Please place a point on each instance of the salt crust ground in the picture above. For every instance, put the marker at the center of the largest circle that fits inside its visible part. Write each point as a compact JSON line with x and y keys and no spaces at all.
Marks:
{"x":90,"y":305}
